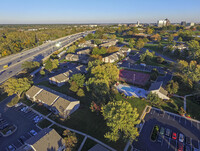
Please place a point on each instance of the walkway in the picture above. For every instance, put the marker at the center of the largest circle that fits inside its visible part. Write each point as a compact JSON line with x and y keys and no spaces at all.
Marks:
{"x":78,"y":132}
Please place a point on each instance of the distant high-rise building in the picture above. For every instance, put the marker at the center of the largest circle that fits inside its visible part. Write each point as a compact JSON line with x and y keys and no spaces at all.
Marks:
{"x":138,"y":23}
{"x":183,"y":23}
{"x":162,"y":23}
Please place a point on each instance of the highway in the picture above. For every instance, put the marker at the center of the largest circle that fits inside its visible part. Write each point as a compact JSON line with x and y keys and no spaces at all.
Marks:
{"x":15,"y":61}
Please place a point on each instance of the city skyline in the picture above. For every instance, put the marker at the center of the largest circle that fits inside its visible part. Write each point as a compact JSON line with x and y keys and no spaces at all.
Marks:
{"x":79,"y":12}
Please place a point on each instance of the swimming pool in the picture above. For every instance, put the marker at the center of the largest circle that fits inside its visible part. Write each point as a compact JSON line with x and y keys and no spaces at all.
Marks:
{"x":132,"y":91}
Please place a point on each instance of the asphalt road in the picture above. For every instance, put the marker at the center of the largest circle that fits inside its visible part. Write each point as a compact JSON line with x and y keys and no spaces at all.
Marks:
{"x":15,"y":61}
{"x":175,"y":123}
{"x":24,"y":125}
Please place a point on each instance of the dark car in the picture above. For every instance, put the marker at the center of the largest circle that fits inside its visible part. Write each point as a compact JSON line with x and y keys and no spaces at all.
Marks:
{"x":187,"y":148}
{"x":168,"y":132}
{"x":187,"y":140}
{"x":22,"y":139}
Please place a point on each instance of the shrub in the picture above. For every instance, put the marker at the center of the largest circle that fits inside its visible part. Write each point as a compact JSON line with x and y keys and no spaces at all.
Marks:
{"x":14,"y":101}
{"x":154,"y":133}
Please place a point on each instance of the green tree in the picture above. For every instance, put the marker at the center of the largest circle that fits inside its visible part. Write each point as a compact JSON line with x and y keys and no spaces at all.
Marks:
{"x":72,"y":49}
{"x":70,"y":140}
{"x":79,"y":79}
{"x":51,"y":64}
{"x":97,"y":41}
{"x":170,"y":38}
{"x":140,"y":44}
{"x":122,"y":120}
{"x":42,"y":72}
{"x":30,"y":64}
{"x":149,"y":31}
{"x":172,"y":87}
{"x":80,"y":92}
{"x":131,"y":43}
{"x":180,"y":39}
{"x":154,"y":98}
{"x":16,"y":86}
{"x":194,"y":49}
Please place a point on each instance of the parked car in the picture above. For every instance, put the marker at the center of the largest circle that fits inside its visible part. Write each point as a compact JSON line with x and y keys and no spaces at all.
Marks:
{"x":162,"y":131}
{"x":174,"y":136}
{"x":11,"y":148}
{"x":18,"y":104}
{"x":168,"y":132}
{"x":187,"y":140}
{"x":33,"y":132}
{"x":159,"y":139}
{"x":24,"y":109}
{"x":187,"y":148}
{"x":181,"y":138}
{"x":180,"y":146}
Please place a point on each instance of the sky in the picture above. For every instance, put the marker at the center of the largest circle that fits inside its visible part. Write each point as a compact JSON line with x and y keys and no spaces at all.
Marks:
{"x":97,"y":11}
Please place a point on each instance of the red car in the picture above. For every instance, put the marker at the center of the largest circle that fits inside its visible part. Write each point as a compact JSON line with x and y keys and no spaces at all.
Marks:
{"x":174,"y":136}
{"x":180,"y":146}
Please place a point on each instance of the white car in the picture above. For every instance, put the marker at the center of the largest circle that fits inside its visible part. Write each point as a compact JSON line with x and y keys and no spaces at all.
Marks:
{"x":24,"y":109}
{"x":181,"y":137}
{"x":18,"y":104}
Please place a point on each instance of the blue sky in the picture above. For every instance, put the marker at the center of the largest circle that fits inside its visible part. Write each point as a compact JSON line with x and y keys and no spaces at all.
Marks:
{"x":97,"y":11}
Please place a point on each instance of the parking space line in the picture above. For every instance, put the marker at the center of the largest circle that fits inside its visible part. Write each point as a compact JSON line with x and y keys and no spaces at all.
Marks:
{"x":162,"y":140}
{"x":169,"y":142}
{"x":14,"y":145}
{"x":191,"y":143}
{"x":199,"y":144}
{"x":191,"y":123}
{"x":168,"y":116}
{"x":198,"y":128}
{"x":174,"y":118}
{"x":179,"y":120}
{"x":20,"y":142}
{"x":185,"y":121}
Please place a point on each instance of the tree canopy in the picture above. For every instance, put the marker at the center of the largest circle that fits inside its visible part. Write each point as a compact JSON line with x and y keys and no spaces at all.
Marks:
{"x":122,"y":120}
{"x":16,"y":86}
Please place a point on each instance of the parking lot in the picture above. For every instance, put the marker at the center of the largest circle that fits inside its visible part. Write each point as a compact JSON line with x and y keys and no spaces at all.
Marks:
{"x":24,"y":122}
{"x":173,"y":122}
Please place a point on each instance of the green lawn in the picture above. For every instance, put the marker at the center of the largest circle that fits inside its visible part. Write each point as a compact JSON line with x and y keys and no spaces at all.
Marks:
{"x":193,"y":109}
{"x":173,"y":105}
{"x":44,"y":123}
{"x":88,"y":144}
{"x":3,"y":96}
{"x":90,"y":123}
{"x":42,"y":109}
{"x":135,"y":102}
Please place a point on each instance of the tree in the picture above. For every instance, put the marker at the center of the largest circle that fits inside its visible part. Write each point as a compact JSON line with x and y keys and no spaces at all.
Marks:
{"x":131,"y":43}
{"x":97,"y":41}
{"x":112,"y":49}
{"x":42,"y":72}
{"x":16,"y":86}
{"x":30,"y":64}
{"x":51,"y":64}
{"x":194,"y":49}
{"x":170,"y":38}
{"x":172,"y":87}
{"x":80,"y":92}
{"x":180,"y":39}
{"x":140,"y":44}
{"x":154,"y":98}
{"x":149,"y":31}
{"x":122,"y":120}
{"x":76,"y":84}
{"x":71,"y":49}
{"x":70,"y":139}
{"x":94,"y":107}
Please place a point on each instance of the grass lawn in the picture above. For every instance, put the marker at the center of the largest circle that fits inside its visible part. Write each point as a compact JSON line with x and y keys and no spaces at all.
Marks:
{"x":90,"y":123}
{"x":173,"y":105}
{"x":3,"y":96}
{"x":44,"y":123}
{"x":193,"y":109}
{"x":42,"y":109}
{"x":135,"y":102}
{"x":60,"y":130}
{"x":88,"y":144}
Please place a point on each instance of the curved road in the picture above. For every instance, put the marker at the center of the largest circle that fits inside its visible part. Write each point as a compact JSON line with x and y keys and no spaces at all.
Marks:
{"x":15,"y":61}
